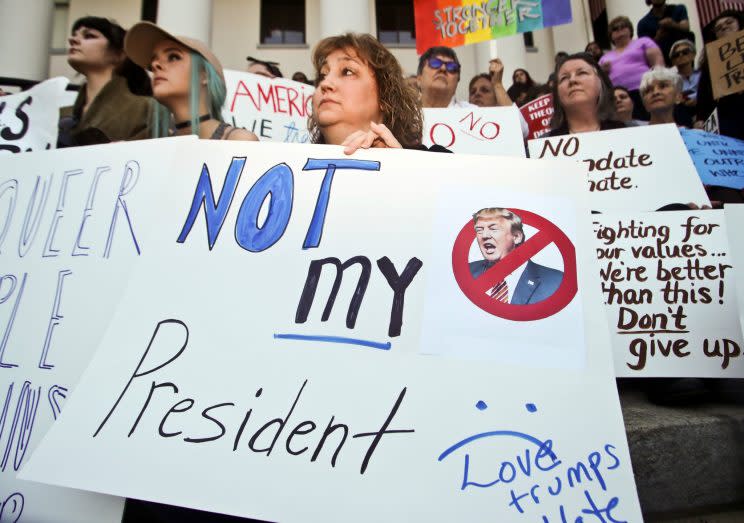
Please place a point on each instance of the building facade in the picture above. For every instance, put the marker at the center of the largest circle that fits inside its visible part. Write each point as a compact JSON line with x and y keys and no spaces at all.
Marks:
{"x":286,"y":30}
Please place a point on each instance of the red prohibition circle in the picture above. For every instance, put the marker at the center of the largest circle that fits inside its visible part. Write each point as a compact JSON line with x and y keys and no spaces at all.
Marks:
{"x":547,"y":233}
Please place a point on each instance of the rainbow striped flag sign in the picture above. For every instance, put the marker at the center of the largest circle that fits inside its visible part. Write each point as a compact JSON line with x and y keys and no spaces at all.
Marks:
{"x":460,"y":22}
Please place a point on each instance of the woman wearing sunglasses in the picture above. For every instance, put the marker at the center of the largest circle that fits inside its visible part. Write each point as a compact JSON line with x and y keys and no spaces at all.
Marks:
{"x":361,"y":99}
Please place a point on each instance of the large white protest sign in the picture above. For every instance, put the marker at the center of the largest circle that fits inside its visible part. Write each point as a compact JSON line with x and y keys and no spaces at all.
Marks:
{"x":274,"y":109}
{"x":72,"y":222}
{"x":475,"y":130}
{"x":28,"y":120}
{"x":634,"y":169}
{"x":669,"y":288}
{"x":242,"y":374}
{"x":734,"y":225}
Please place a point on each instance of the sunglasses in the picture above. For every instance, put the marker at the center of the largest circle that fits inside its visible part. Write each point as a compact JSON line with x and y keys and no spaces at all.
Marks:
{"x":681,"y":52}
{"x":436,"y":63}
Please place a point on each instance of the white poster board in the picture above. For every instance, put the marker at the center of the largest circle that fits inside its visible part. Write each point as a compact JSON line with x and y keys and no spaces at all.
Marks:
{"x":339,"y":413}
{"x":669,"y":286}
{"x":734,"y":225}
{"x":28,"y":120}
{"x":475,"y":130}
{"x":276,"y":110}
{"x":72,"y":223}
{"x":633,"y":169}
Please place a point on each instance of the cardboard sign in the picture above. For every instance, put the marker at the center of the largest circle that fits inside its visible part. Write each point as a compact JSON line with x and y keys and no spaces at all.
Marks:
{"x":72,"y":224}
{"x":538,"y":114}
{"x":276,"y":110}
{"x":244,"y":345}
{"x":479,"y":130}
{"x":28,"y":120}
{"x":719,"y":160}
{"x":669,"y":287}
{"x":711,"y":123}
{"x":726,"y":64}
{"x":632,"y":169}
{"x":734,"y":223}
{"x":453,"y":23}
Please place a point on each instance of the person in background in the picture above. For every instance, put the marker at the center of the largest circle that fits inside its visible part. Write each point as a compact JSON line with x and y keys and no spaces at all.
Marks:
{"x":661,"y":89}
{"x":595,"y":50}
{"x":301,"y":77}
{"x":583,"y":99}
{"x":624,"y":107}
{"x":187,"y":81}
{"x":361,"y":99}
{"x":263,"y":67}
{"x":487,"y":89}
{"x":665,"y":24}
{"x":523,"y":87}
{"x":629,"y":60}
{"x":731,"y":107}
{"x":112,"y":104}
{"x":438,"y":76}
{"x":682,"y":55}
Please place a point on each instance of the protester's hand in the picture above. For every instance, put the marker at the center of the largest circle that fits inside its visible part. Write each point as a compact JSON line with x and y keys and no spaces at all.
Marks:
{"x":606,"y":66}
{"x":667,"y":23}
{"x":496,"y":70}
{"x":699,"y":124}
{"x":3,"y":93}
{"x":696,"y":207}
{"x":377,"y":136}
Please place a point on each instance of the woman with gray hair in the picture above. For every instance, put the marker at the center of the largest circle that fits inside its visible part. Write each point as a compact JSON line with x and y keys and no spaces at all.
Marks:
{"x":661,"y":89}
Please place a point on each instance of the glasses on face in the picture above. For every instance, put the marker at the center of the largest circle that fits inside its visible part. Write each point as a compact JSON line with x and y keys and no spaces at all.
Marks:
{"x":436,"y":63}
{"x":681,"y":52}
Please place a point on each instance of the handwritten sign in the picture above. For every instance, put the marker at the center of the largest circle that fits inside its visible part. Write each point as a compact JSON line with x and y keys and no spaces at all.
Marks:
{"x":670,"y":294}
{"x":538,"y":114}
{"x":719,"y":160}
{"x":734,"y":223}
{"x":72,"y":224}
{"x":639,"y":168}
{"x":245,"y":345}
{"x":482,"y":130}
{"x":453,"y":23}
{"x":726,"y":63}
{"x":28,"y":120}
{"x":275,"y":110}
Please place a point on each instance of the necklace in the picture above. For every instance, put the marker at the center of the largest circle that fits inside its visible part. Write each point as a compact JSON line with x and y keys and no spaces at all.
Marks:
{"x":187,"y":123}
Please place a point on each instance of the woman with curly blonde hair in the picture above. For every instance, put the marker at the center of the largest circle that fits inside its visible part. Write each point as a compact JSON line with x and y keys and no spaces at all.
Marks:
{"x":361,"y":99}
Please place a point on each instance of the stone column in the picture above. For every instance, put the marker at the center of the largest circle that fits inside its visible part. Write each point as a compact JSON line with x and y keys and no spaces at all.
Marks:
{"x":341,"y":16}
{"x":25,"y":38}
{"x":192,"y":18}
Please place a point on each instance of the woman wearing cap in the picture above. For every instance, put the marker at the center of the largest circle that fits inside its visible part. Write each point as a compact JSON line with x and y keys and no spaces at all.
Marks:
{"x":113,"y":83}
{"x":187,"y":80}
{"x":361,"y":99}
{"x":583,"y":98}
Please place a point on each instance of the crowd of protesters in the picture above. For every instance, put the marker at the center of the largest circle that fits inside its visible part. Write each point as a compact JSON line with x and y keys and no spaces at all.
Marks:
{"x":363,"y":99}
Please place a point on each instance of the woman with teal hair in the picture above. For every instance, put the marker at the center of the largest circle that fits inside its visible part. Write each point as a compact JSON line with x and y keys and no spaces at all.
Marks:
{"x":187,"y":82}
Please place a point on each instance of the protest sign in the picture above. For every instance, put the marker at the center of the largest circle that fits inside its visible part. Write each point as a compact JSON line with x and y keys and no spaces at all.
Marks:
{"x":28,"y":120}
{"x":226,"y":353}
{"x":726,"y":64}
{"x":711,"y":123}
{"x":538,"y":114}
{"x":632,"y":169}
{"x":719,"y":159}
{"x":476,"y":130}
{"x":274,"y":109}
{"x":453,"y":23}
{"x":734,"y":225}
{"x":72,"y":223}
{"x":670,"y":294}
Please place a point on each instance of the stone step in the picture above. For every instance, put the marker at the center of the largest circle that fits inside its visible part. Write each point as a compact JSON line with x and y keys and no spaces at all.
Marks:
{"x":688,"y":461}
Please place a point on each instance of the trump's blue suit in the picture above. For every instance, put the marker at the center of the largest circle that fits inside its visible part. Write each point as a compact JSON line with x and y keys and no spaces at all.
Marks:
{"x":537,"y":282}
